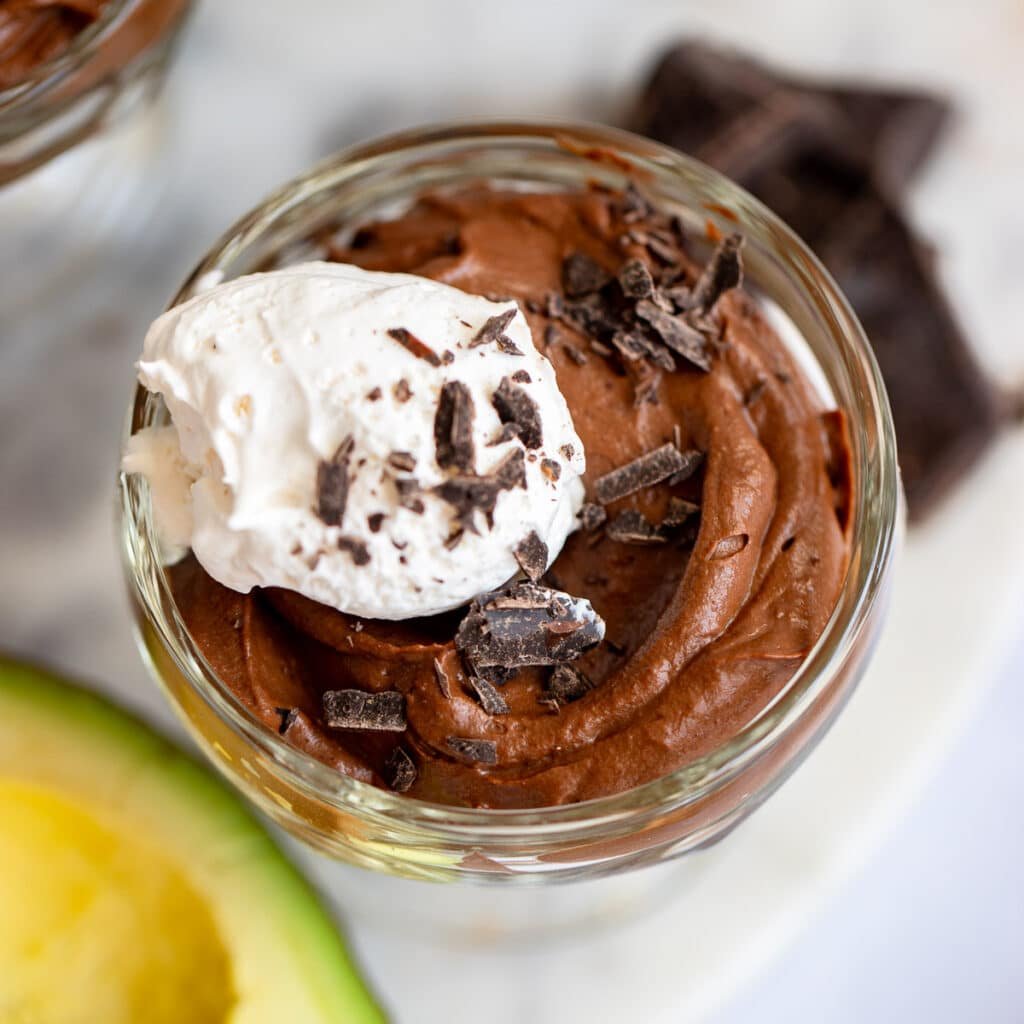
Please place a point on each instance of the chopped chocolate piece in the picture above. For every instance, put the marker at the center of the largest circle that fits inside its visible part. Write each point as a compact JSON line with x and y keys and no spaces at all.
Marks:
{"x":532,"y":555}
{"x":680,"y":336}
{"x":332,"y":485}
{"x":522,"y":377}
{"x":551,"y":469}
{"x":288,"y":716}
{"x":493,"y":329}
{"x":601,"y":349}
{"x":729,"y":546}
{"x":470,"y":493}
{"x":678,"y":512}
{"x":399,"y":771}
{"x":358,"y":709}
{"x":447,"y":357}
{"x":402,"y":461}
{"x":356,"y":548}
{"x":636,"y":280}
{"x":402,"y":391}
{"x":374,"y":395}
{"x":551,"y":335}
{"x":633,"y":345}
{"x":412,"y":344}
{"x":724,"y":271}
{"x":526,"y":624}
{"x":566,"y":684}
{"x":452,"y":541}
{"x":577,"y":356}
{"x":567,"y":451}
{"x":453,"y":427}
{"x":442,"y":680}
{"x":645,"y":471}
{"x":632,"y":527}
{"x":516,"y":407}
{"x":490,"y":700}
{"x":375,"y":520}
{"x":694,"y":459}
{"x":582,"y":275}
{"x":508,"y":346}
{"x":473,"y":751}
{"x":592,"y":516}
{"x":634,"y":204}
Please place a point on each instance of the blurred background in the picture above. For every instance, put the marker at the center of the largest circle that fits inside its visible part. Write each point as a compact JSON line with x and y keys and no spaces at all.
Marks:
{"x":905,"y":903}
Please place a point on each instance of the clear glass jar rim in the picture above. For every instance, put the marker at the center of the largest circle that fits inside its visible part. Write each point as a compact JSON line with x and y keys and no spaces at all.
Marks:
{"x":873,"y":540}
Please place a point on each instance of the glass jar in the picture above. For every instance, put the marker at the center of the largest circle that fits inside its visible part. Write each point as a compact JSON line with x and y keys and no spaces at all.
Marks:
{"x":80,"y":139}
{"x":681,"y":812}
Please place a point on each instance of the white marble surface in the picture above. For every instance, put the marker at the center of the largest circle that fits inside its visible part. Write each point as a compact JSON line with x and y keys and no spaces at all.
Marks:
{"x":928,"y":931}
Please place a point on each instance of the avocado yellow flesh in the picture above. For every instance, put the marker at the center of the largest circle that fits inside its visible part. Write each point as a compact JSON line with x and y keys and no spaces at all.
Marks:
{"x":135,"y":887}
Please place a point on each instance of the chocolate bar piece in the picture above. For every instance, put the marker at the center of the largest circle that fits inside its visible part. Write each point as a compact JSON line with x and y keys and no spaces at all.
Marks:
{"x":829,"y":161}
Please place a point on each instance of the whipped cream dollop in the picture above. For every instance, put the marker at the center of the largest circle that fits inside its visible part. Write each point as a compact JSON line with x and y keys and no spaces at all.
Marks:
{"x":381,"y":443}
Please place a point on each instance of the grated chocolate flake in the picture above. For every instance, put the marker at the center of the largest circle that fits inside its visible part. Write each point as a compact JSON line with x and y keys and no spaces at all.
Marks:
{"x":592,"y":516}
{"x":635,"y":279}
{"x":532,"y":555}
{"x":358,"y":709}
{"x":724,"y":271}
{"x":645,"y":471}
{"x":332,"y":484}
{"x":399,"y":771}
{"x":473,"y":751}
{"x":470,"y":493}
{"x":634,"y":205}
{"x":522,"y":377}
{"x":413,"y":345}
{"x":490,"y":700}
{"x":402,"y":391}
{"x":551,"y":469}
{"x":374,"y":395}
{"x":356,"y":548}
{"x":404,"y":462}
{"x":683,"y":338}
{"x":566,"y":684}
{"x":375,"y":520}
{"x":526,"y":624}
{"x":567,"y":450}
{"x":493,"y":331}
{"x":442,"y":680}
{"x":582,"y":275}
{"x":632,"y":527}
{"x":514,"y":406}
{"x":678,"y":512}
{"x":693,"y":460}
{"x":453,"y":427}
{"x":288,"y":716}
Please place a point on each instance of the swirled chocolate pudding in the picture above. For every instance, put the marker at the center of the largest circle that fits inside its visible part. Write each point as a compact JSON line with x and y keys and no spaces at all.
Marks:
{"x":33,"y":32}
{"x":541,"y":535}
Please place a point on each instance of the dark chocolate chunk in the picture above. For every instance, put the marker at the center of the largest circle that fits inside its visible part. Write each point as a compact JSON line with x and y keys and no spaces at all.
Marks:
{"x":332,"y":484}
{"x":374,"y":395}
{"x":684,"y":339}
{"x":403,"y":461}
{"x":356,"y":548}
{"x":634,"y":345}
{"x":566,"y":684}
{"x":473,"y":751}
{"x":582,"y":275}
{"x":567,"y":451}
{"x":516,"y":407}
{"x":724,"y":271}
{"x":470,"y":493}
{"x":412,"y":344}
{"x":375,"y":520}
{"x":632,"y":527}
{"x":532,"y":555}
{"x":551,"y":468}
{"x":493,"y":330}
{"x":635,"y":280}
{"x":358,"y":709}
{"x":592,"y":516}
{"x":288,"y":716}
{"x":522,"y":377}
{"x":678,"y":512}
{"x":399,"y":771}
{"x":442,"y":680}
{"x":490,"y":700}
{"x":453,"y":427}
{"x":526,"y":624}
{"x":634,"y":204}
{"x":645,"y":471}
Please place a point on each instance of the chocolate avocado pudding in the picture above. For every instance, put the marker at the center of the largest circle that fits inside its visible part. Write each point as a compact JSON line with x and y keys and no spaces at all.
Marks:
{"x":33,"y":32}
{"x":713,"y":541}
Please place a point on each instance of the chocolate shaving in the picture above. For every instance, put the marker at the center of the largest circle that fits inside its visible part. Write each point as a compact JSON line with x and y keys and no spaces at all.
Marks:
{"x":403,"y":461}
{"x":402,"y":391}
{"x":288,"y":716}
{"x":592,"y":516}
{"x":522,"y":377}
{"x":678,"y":512}
{"x":551,"y":469}
{"x":532,"y":555}
{"x":356,"y":548}
{"x":490,"y":700}
{"x":442,"y":680}
{"x":582,"y":276}
{"x":632,"y":527}
{"x":412,"y":344}
{"x":399,"y":771}
{"x":635,"y":279}
{"x":526,"y":624}
{"x":358,"y":709}
{"x":567,"y":451}
{"x":684,"y":339}
{"x":514,"y":406}
{"x":723,"y":272}
{"x":332,"y":484}
{"x":493,"y":330}
{"x":645,"y":471}
{"x":470,"y":493}
{"x":408,"y":489}
{"x":634,"y":204}
{"x":473,"y":751}
{"x":566,"y":684}
{"x":453,"y":427}
{"x":375,"y":520}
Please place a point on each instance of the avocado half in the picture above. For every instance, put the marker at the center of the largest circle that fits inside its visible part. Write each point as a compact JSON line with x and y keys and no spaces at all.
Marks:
{"x":135,"y":887}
